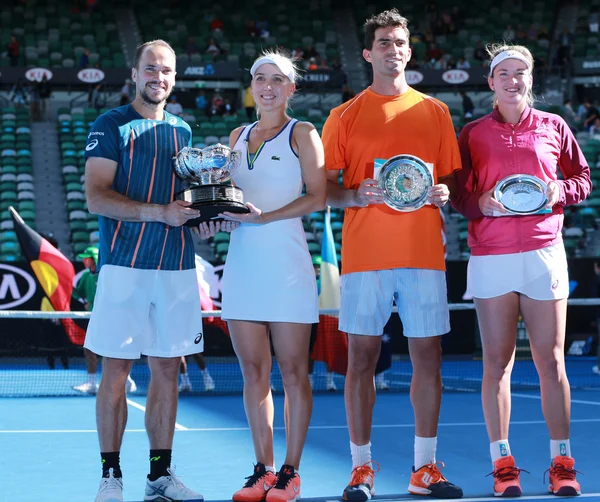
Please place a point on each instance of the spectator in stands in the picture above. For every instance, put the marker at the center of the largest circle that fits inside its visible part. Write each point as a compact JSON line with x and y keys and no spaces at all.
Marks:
{"x":216,"y":24}
{"x":191,"y":48}
{"x":85,"y":292}
{"x":591,"y":113}
{"x":298,"y":53}
{"x":570,"y":116}
{"x":201,"y":102}
{"x":148,"y":300}
{"x":125,"y":92}
{"x":468,"y":106}
{"x":520,"y":33}
{"x":335,"y":64}
{"x":593,"y":19}
{"x":347,"y":93}
{"x":479,"y":53}
{"x":532,"y":32}
{"x":269,"y":252}
{"x":518,"y":264}
{"x":98,"y":97}
{"x":213,"y":48}
{"x":262,"y":25}
{"x":84,"y":60}
{"x":508,"y":34}
{"x":19,"y":94}
{"x":463,"y":64}
{"x":216,"y":107}
{"x":34,"y":101}
{"x":249,"y":103}
{"x":13,"y":51}
{"x":251,"y":29}
{"x":312,"y":64}
{"x":375,"y":124}
{"x":594,"y":129}
{"x":173,"y":106}
{"x":45,"y":91}
{"x":434,"y":52}
{"x":310,"y":52}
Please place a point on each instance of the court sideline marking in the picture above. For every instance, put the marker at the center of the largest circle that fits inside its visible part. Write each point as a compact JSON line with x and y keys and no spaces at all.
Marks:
{"x":314,"y":427}
{"x":473,"y":499}
{"x":576,"y":401}
{"x":178,"y":427}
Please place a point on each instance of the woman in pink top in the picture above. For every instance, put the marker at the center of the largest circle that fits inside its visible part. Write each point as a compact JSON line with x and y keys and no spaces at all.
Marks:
{"x":518,"y":263}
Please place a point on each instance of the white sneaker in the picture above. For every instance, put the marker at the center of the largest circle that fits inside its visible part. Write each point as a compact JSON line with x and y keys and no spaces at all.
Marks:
{"x":209,"y":383}
{"x":311,"y":381}
{"x":86,"y":388}
{"x":331,"y":387}
{"x":185,"y":387}
{"x":130,"y":385}
{"x":170,"y":489}
{"x":381,"y":383}
{"x":596,"y":369}
{"x":111,"y":489}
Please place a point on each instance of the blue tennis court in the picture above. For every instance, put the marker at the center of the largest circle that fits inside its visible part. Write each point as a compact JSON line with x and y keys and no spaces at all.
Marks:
{"x":50,"y":446}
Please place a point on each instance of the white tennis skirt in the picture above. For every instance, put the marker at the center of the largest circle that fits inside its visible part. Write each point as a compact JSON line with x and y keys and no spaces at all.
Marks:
{"x":541,"y":274}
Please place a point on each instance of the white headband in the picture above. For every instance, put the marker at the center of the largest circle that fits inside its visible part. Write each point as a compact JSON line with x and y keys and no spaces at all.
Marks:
{"x":284,"y":65}
{"x":508,"y":55}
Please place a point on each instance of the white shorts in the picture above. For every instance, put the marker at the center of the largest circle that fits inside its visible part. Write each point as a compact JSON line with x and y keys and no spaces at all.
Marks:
{"x":421,"y":297}
{"x":541,"y":274}
{"x":151,"y":312}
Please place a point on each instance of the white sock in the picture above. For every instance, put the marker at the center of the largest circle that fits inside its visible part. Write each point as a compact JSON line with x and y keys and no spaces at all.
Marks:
{"x":92,"y":378}
{"x":361,"y":455}
{"x":560,"y":448}
{"x":499,"y":449}
{"x":425,"y":449}
{"x":270,"y":468}
{"x":329,"y":377}
{"x":185,"y":379}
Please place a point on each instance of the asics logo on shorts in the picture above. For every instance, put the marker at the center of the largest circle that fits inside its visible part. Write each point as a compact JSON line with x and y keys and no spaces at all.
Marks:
{"x":198,"y":338}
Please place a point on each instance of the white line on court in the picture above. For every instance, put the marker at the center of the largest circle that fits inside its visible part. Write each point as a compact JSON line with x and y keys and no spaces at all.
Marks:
{"x":576,"y":401}
{"x":314,"y":427}
{"x":476,"y":499}
{"x":178,"y":427}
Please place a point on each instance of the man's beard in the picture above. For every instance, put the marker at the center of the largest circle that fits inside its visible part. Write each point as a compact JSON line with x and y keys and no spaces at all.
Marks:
{"x":153,"y":102}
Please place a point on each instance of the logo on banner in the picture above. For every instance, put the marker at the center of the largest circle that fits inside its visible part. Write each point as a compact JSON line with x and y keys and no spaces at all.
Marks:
{"x":36,"y":74}
{"x":413,"y":77}
{"x":200,"y":71}
{"x":455,"y":76}
{"x":91,"y":75}
{"x":16,"y":286}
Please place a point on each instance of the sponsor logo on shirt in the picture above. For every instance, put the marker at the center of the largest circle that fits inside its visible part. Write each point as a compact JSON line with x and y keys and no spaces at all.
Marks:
{"x":91,"y":145}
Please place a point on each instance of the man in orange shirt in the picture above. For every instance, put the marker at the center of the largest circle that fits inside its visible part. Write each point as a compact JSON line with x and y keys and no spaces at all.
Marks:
{"x":388,"y":255}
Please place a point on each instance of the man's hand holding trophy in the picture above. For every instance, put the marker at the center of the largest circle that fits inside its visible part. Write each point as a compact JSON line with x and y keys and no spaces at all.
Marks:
{"x":206,"y":171}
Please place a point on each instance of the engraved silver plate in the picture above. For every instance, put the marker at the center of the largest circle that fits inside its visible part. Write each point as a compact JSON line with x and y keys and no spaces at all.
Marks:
{"x":521,"y":194}
{"x":405,"y":181}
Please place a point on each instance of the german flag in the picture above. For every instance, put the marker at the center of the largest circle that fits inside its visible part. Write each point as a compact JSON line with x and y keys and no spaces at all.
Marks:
{"x":53,"y":271}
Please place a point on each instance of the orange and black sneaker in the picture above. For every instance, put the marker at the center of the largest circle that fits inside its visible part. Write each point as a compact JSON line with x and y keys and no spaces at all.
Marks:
{"x":257,"y":485}
{"x":428,"y":480}
{"x":287,"y":486}
{"x":362,"y":483}
{"x":562,"y":477}
{"x":506,"y":477}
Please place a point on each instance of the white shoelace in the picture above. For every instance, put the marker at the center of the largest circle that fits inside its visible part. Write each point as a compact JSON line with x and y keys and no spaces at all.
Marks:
{"x":178,"y":484}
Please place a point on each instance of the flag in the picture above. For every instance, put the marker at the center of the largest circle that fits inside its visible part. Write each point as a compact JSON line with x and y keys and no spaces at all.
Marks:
{"x":53,"y":271}
{"x":331,"y":345}
{"x":208,"y":284}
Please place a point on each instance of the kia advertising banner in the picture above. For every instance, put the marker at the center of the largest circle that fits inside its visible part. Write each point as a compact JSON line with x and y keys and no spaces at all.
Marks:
{"x":445,"y":78}
{"x":115,"y":76}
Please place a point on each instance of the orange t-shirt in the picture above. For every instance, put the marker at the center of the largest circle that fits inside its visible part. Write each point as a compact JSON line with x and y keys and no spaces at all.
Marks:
{"x":372,"y":126}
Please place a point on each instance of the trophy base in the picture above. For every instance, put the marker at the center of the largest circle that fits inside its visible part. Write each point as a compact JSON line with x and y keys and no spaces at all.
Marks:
{"x":212,"y":200}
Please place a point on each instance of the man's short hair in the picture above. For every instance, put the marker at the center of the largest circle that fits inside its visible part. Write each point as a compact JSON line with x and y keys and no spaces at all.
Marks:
{"x":386,"y":19}
{"x":141,"y":48}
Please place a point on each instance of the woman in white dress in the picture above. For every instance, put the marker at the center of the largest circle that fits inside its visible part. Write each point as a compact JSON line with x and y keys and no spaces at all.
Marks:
{"x":269,"y":285}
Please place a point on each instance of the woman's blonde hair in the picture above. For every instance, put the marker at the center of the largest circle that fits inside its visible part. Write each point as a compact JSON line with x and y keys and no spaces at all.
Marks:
{"x":494,"y":49}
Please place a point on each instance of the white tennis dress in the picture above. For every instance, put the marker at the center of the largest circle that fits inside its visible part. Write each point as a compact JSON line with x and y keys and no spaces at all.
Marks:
{"x":268,"y":274}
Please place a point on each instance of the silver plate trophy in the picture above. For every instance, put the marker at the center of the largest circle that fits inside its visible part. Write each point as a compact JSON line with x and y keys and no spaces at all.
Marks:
{"x":405,"y":181}
{"x":521,"y":194}
{"x":205,"y":170}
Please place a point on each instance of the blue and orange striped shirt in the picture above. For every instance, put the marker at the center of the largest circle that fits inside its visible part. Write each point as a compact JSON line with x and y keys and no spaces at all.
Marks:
{"x":143,"y":150}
